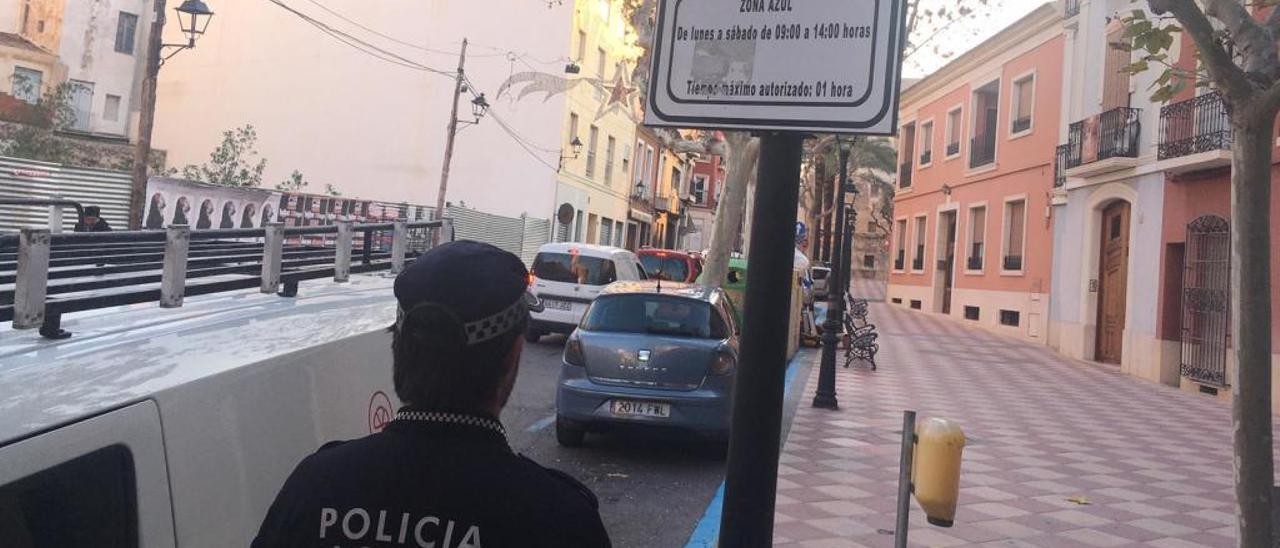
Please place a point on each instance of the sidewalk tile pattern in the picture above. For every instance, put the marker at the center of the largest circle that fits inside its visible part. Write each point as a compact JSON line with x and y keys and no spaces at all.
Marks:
{"x":1152,"y":462}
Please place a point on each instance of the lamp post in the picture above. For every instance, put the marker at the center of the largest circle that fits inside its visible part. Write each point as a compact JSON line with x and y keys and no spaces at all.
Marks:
{"x":193,"y":17}
{"x":825,"y":397}
{"x":576,"y":146}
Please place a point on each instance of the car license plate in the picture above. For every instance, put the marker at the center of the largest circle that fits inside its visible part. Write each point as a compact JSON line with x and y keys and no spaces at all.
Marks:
{"x":557,"y":305}
{"x":630,"y":408}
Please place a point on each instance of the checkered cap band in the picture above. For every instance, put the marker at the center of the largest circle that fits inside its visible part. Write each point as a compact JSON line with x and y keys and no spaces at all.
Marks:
{"x":489,"y":327}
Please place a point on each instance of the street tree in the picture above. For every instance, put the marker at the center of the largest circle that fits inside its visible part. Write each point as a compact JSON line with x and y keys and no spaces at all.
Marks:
{"x":926,"y":20}
{"x":1236,"y":53}
{"x":234,"y":162}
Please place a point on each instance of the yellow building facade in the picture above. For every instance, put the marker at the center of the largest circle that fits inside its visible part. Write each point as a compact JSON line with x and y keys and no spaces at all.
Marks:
{"x":601,"y":113}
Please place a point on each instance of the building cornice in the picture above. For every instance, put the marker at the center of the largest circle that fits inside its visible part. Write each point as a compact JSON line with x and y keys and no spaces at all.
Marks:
{"x":1017,"y":36}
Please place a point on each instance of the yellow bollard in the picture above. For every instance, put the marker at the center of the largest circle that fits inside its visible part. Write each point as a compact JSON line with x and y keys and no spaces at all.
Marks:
{"x":935,"y":470}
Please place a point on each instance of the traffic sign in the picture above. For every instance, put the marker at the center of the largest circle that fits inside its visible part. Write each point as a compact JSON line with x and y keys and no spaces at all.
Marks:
{"x":830,"y":66}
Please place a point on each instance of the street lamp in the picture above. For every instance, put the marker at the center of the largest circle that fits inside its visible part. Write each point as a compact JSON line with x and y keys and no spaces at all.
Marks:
{"x":193,"y":18}
{"x":479,"y":106}
{"x":825,"y":397}
{"x":576,"y":146}
{"x":639,"y":193}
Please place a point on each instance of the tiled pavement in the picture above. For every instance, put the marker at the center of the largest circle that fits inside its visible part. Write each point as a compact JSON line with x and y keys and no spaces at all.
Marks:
{"x":1153,"y":463}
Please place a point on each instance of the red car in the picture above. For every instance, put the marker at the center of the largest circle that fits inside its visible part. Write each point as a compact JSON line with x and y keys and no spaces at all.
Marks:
{"x":669,"y":265}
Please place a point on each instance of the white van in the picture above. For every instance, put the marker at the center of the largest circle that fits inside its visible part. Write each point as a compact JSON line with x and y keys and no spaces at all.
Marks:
{"x":566,"y":277}
{"x":159,"y":427}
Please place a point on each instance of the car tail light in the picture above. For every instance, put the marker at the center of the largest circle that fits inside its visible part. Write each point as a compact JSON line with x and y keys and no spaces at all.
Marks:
{"x":573,"y":352}
{"x":723,"y":364}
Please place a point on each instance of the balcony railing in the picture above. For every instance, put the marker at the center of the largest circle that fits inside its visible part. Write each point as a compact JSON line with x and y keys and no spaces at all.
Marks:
{"x":926,"y":157}
{"x":904,"y":175}
{"x":982,"y":151}
{"x":1194,"y":126}
{"x":975,"y":257}
{"x":1071,"y":8}
{"x":953,"y":148}
{"x":1021,"y":124}
{"x":1060,"y":165}
{"x":900,"y":262}
{"x":1112,"y":134}
{"x":1013,"y":262}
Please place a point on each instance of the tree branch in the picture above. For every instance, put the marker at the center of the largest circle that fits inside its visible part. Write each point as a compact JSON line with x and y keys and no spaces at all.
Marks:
{"x":1231,"y":78}
{"x":1256,"y":42}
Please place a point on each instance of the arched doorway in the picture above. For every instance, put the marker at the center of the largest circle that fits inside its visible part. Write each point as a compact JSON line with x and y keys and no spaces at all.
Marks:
{"x":1206,"y":300}
{"x":1113,"y":281}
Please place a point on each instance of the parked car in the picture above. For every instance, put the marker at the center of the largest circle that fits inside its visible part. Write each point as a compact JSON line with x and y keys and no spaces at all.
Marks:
{"x":651,"y":353}
{"x":566,"y":277}
{"x":821,"y":276}
{"x":672,"y":266}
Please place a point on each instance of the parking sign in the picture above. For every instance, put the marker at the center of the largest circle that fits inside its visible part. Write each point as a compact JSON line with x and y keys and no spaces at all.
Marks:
{"x":802,"y":65}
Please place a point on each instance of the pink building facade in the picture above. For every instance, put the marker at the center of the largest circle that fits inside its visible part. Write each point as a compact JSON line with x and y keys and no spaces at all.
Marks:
{"x":972,"y":235}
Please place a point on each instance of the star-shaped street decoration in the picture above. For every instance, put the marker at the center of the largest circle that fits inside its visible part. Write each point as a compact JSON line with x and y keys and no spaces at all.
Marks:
{"x":620,"y":93}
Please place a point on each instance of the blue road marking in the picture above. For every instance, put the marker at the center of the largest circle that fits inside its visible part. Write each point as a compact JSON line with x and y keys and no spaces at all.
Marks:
{"x":707,"y":533}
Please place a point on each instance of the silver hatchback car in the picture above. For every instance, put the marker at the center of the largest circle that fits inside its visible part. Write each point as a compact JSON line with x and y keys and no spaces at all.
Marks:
{"x":650,"y":353}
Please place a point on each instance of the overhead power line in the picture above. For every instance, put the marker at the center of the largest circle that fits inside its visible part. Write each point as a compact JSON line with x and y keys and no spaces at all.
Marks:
{"x":361,"y":45}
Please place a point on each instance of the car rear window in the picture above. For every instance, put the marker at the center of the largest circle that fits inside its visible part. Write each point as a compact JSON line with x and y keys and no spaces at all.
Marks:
{"x":672,"y":269}
{"x":574,"y":269}
{"x":654,"y":314}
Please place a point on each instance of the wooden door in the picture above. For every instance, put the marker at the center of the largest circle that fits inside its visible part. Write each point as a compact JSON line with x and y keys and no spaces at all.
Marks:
{"x":1113,"y":278}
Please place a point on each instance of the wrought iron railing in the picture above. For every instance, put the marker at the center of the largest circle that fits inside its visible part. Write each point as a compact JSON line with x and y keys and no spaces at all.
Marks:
{"x":1013,"y":262}
{"x":926,"y":157}
{"x":1060,"y":165}
{"x":904,"y":175}
{"x":1112,"y":134}
{"x":900,"y":262}
{"x":1071,"y":8}
{"x":953,"y":148}
{"x":1021,"y":124}
{"x":975,"y":256}
{"x":1194,"y":126}
{"x":918,"y":262}
{"x":982,"y":150}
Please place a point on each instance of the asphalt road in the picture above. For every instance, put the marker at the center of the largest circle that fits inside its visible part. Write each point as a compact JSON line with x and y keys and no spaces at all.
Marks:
{"x":653,"y":489}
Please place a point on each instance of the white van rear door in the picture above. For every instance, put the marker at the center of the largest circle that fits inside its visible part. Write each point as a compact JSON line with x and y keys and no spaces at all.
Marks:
{"x":101,"y":481}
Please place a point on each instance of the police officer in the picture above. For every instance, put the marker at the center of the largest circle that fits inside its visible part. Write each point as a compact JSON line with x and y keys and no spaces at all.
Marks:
{"x":441,"y":474}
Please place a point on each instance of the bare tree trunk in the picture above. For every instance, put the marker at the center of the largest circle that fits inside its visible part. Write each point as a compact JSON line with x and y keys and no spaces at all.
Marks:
{"x":1251,"y":324}
{"x":743,"y":152}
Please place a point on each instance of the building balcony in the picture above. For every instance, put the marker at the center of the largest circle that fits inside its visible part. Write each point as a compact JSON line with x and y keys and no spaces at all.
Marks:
{"x":1012,"y":263}
{"x":900,"y":262}
{"x":1104,"y":143}
{"x":904,"y":175}
{"x":953,"y":148}
{"x":1070,"y":8}
{"x":926,"y":157}
{"x":917,"y":263}
{"x":1060,"y":166}
{"x":982,"y":151}
{"x":974,"y":263}
{"x":1195,"y":134}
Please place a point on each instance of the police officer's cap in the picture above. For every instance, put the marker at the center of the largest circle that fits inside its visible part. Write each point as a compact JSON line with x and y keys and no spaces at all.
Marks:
{"x":484,"y":287}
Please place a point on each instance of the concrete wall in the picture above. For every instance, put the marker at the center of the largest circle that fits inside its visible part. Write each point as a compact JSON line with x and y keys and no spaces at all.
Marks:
{"x":371,"y":128}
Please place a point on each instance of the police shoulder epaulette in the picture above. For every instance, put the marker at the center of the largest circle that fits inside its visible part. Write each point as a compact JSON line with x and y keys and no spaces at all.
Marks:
{"x":573,"y":482}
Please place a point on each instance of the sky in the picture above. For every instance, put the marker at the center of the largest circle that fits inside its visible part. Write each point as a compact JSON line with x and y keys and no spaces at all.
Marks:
{"x":938,"y":48}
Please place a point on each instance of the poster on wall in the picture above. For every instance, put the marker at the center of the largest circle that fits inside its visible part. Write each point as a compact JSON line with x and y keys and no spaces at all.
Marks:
{"x":203,"y":206}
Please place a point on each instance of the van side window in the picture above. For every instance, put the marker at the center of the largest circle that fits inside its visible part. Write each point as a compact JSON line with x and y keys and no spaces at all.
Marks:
{"x":88,"y":501}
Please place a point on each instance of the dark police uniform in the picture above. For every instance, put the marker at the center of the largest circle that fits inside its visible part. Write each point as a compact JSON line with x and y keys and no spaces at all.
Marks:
{"x":433,"y":479}
{"x":430,"y":480}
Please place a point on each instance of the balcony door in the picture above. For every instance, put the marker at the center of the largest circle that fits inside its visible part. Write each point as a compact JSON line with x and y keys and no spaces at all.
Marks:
{"x":1115,"y":80}
{"x":946,"y":263}
{"x":1113,"y":281}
